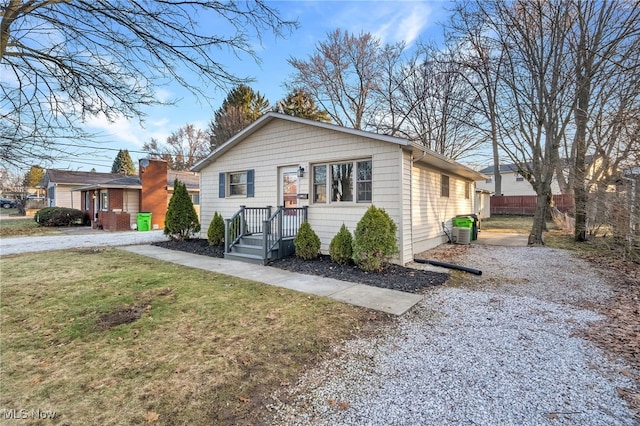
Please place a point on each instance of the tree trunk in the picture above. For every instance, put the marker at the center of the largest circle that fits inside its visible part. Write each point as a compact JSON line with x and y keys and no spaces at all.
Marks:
{"x":540,"y":218}
{"x":497,"y":177}
{"x":583,"y":86}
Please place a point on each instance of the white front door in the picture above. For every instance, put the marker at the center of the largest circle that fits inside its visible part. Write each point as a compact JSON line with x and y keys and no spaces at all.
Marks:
{"x":289,"y":187}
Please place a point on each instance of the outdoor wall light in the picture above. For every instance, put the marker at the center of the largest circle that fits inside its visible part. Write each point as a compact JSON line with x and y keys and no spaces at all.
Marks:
{"x":300,"y":171}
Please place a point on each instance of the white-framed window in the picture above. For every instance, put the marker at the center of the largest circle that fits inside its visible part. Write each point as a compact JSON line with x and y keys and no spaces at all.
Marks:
{"x":320,"y":184}
{"x":467,"y":190}
{"x":238,"y":184}
{"x":519,"y":179}
{"x":343,"y":182}
{"x":195,"y":198}
{"x":104,"y":200}
{"x":444,"y":185}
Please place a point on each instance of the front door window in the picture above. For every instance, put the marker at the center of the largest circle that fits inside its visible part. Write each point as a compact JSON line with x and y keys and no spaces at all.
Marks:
{"x":289,"y":187}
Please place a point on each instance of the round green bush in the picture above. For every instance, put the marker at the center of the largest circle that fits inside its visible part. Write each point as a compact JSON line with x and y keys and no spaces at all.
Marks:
{"x":375,"y":240}
{"x":58,"y":216}
{"x":307,"y":243}
{"x":215,"y":233}
{"x":341,"y":247}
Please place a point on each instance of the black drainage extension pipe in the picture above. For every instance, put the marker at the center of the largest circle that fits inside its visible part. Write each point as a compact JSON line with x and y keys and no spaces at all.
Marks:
{"x":449,"y":265}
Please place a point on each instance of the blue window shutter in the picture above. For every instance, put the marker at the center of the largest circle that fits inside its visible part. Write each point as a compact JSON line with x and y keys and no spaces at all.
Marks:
{"x":221,"y":185}
{"x":250,"y":185}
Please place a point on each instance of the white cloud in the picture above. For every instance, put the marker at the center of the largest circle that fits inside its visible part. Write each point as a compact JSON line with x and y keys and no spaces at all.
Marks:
{"x":391,"y":22}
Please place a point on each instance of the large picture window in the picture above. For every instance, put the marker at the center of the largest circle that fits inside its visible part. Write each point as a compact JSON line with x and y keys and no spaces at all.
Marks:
{"x":343,"y":182}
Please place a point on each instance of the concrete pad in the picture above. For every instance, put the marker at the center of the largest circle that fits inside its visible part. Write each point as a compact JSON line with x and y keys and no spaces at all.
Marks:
{"x":502,"y":239}
{"x":381,"y":299}
{"x":389,"y":301}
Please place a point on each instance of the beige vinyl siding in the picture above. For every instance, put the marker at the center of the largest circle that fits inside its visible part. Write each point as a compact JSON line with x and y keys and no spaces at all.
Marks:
{"x":65,"y":198}
{"x":283,"y":143}
{"x":430,"y":210}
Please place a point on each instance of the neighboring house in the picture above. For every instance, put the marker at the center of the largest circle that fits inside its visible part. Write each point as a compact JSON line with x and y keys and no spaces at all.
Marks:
{"x":330,"y":175}
{"x":58,"y":186}
{"x":112,"y":201}
{"x":512,"y":182}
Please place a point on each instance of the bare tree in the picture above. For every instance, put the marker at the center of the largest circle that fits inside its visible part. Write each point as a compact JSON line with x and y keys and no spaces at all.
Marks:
{"x":442,"y":115}
{"x":184,"y":147}
{"x":482,"y":56}
{"x":604,"y":37}
{"x":344,"y":76}
{"x":533,"y":89}
{"x":64,"y":61}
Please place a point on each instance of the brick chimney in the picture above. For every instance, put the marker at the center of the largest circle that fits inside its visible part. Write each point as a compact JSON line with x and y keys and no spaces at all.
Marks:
{"x":153,"y":198}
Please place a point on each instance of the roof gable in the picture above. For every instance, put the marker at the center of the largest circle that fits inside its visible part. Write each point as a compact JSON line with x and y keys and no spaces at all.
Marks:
{"x":271,"y":116}
{"x":422,"y":153}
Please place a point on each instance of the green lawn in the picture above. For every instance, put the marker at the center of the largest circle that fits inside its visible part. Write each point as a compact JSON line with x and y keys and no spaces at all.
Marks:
{"x":201,"y":348}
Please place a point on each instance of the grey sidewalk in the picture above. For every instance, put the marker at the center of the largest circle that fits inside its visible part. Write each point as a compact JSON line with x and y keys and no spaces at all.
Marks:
{"x":389,"y":301}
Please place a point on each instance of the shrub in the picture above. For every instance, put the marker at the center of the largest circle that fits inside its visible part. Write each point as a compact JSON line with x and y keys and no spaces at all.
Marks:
{"x":58,"y":216}
{"x":215,"y":233}
{"x":307,"y":243}
{"x":374,"y":241}
{"x":181,"y":221}
{"x":341,"y":247}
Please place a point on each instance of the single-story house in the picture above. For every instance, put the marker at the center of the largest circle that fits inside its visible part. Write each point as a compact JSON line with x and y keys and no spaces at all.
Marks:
{"x":329,"y":175}
{"x":58,"y":185}
{"x":112,"y":201}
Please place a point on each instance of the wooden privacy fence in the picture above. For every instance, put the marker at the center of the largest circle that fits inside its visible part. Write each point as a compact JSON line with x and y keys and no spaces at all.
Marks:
{"x":526,"y":204}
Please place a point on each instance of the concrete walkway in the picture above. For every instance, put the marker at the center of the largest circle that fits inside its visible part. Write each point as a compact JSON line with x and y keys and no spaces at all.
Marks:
{"x":389,"y":301}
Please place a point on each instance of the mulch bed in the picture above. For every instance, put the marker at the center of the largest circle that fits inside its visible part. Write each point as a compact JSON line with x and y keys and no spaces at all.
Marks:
{"x":394,"y":277}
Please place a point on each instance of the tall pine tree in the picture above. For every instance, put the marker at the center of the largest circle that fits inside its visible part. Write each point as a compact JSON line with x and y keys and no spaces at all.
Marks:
{"x":241,"y":107}
{"x":123,"y":164}
{"x":300,"y":103}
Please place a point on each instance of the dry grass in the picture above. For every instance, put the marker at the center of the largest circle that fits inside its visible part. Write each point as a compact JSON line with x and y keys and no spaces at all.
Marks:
{"x":24,"y":227}
{"x":510,"y":223}
{"x":205,"y":350}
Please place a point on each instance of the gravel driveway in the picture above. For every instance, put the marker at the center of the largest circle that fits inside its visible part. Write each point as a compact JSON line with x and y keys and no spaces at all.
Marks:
{"x":500,"y":349}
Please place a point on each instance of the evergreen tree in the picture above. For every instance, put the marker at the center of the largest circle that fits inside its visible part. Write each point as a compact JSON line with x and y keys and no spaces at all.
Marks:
{"x":123,"y":164}
{"x":241,"y":107}
{"x":215,"y":234}
{"x":181,"y":221}
{"x":300,"y":103}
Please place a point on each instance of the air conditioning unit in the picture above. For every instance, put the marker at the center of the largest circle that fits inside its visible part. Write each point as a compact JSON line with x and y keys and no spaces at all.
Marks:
{"x":454,"y":234}
{"x":464,"y":236}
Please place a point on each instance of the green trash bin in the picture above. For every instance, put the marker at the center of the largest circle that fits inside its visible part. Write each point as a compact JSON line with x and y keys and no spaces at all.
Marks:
{"x":463,"y":222}
{"x":144,"y":221}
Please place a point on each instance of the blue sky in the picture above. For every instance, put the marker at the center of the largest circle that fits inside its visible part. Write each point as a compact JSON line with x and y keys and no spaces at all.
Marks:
{"x":390,"y":21}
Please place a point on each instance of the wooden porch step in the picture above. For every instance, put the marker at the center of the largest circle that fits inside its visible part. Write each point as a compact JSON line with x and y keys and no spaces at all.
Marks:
{"x":244,"y":257}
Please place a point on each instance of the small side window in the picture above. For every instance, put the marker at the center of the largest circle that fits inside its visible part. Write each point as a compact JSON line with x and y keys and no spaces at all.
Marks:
{"x":444,"y":185}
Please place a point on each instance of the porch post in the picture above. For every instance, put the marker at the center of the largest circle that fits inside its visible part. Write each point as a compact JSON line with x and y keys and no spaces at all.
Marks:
{"x":243,"y":220}
{"x":227,"y":224}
